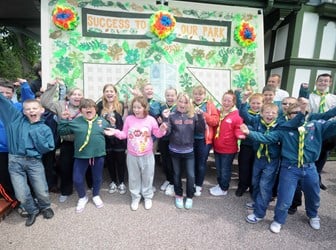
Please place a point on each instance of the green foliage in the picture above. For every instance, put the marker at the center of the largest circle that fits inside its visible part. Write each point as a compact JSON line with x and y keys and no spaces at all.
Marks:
{"x":17,"y":60}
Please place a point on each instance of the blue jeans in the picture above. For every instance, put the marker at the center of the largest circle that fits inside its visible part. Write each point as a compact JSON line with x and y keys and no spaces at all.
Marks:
{"x":223,"y":164}
{"x":290,"y":175}
{"x":201,"y":151}
{"x":79,"y":170}
{"x":22,"y":168}
{"x":188,"y":162}
{"x":264,"y":174}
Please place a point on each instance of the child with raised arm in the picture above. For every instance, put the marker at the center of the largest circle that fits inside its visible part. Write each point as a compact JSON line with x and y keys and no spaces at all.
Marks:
{"x":226,"y":142}
{"x":246,"y":153}
{"x":183,"y":123}
{"x":163,"y":145}
{"x":89,"y":148}
{"x":300,"y":147}
{"x":203,"y":140}
{"x":138,"y":130}
{"x":28,"y":139}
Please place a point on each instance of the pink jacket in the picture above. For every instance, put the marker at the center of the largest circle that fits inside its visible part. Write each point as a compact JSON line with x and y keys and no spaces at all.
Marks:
{"x":138,"y":132}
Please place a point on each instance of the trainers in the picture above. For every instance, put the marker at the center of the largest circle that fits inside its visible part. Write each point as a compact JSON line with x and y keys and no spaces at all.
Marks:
{"x":240,"y":191}
{"x":198,"y":191}
{"x":22,"y":212}
{"x":135,"y":204}
{"x":170,"y":190}
{"x":217,"y":191}
{"x":148,"y":204}
{"x":63,"y":198}
{"x":154,"y":189}
{"x":251,"y":218}
{"x":275,"y":227}
{"x":249,"y":205}
{"x":179,"y":201}
{"x":112,"y":188}
{"x":315,"y":223}
{"x":47,"y":213}
{"x":81,"y":204}
{"x":188,"y":203}
{"x":97,"y":201}
{"x":122,"y":188}
{"x":164,"y":185}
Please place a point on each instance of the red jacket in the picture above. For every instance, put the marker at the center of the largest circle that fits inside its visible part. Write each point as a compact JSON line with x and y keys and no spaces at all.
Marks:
{"x":229,"y":133}
{"x":211,"y":118}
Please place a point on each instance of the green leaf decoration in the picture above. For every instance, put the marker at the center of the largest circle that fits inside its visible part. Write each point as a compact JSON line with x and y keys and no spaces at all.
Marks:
{"x":182,"y":68}
{"x":189,"y":58}
{"x":93,"y":45}
{"x":158,"y":57}
{"x":125,"y":46}
{"x":121,"y":6}
{"x":147,"y":63}
{"x":96,"y":56}
{"x":59,"y":53}
{"x":140,"y":70}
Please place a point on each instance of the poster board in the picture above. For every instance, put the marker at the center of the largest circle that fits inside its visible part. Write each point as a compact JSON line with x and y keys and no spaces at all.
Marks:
{"x":112,"y":42}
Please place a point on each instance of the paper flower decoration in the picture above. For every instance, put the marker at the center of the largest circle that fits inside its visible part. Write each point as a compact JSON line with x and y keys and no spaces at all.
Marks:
{"x":244,"y":34}
{"x":65,"y":18}
{"x":162,"y":24}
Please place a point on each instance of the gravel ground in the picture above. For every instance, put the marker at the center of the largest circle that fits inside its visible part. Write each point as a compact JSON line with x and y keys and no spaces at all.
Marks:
{"x":213,"y":223}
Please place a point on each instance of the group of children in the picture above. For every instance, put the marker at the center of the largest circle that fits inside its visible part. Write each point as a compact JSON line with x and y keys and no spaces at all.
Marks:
{"x":185,"y":129}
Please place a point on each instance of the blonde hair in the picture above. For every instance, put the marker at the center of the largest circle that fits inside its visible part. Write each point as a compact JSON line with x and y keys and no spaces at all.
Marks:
{"x":190,"y":108}
{"x":71,"y":91}
{"x":256,"y":96}
{"x":199,"y":89}
{"x":116,"y":105}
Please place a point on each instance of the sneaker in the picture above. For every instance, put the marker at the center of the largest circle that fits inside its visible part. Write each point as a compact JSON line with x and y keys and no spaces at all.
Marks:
{"x":275,"y":227}
{"x":148,"y":204}
{"x":251,"y":218}
{"x":292,"y":210}
{"x":47,"y":213}
{"x":170,"y":190}
{"x":122,"y":188}
{"x":81,"y":204}
{"x":198,"y":191}
{"x":249,"y":205}
{"x":217,"y":191}
{"x":63,"y":198}
{"x":112,"y":188}
{"x":135,"y":204}
{"x":179,"y":201}
{"x":188,"y":203}
{"x":154,"y":189}
{"x":315,"y":223}
{"x":164,"y":185}
{"x":97,"y":201}
{"x":22,"y":212}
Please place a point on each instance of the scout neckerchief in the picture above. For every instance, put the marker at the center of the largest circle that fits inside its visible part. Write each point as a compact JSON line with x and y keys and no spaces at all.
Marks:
{"x":262,"y":146}
{"x":222,"y":117}
{"x":172,"y":107}
{"x":250,"y":111}
{"x":302,"y":132}
{"x":87,"y":139}
{"x":199,"y":105}
{"x":322,"y":100}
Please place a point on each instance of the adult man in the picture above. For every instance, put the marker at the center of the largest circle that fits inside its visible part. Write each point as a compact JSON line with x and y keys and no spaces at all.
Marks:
{"x":274,"y":80}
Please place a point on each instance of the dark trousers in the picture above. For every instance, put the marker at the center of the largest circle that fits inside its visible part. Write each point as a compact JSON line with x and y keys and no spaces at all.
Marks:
{"x":245,"y":162}
{"x":115,"y":161}
{"x":49,"y":163}
{"x":184,"y":161}
{"x":5,"y":180}
{"x":166,"y":160}
{"x":66,"y":161}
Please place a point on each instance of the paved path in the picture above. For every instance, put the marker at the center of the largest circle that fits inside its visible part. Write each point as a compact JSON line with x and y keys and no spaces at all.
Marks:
{"x":213,"y":223}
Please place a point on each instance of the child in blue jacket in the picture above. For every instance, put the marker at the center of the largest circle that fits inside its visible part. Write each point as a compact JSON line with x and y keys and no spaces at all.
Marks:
{"x":28,"y":139}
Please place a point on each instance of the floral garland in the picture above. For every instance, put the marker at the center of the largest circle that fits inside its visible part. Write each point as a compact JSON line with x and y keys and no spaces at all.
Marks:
{"x":244,"y":34}
{"x":65,"y":18}
{"x":162,"y":24}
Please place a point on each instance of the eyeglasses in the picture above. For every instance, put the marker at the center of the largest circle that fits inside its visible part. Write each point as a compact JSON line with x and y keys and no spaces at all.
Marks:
{"x":285,"y":103}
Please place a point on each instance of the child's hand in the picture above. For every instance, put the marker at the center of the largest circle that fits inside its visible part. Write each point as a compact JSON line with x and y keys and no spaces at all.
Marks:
{"x":159,"y":120}
{"x":304,"y":104}
{"x":304,"y":85}
{"x":166,"y":113}
{"x":163,"y":127}
{"x":109,"y":131}
{"x":20,"y":81}
{"x":65,"y":115}
{"x":198,"y":111}
{"x":246,"y":95}
{"x":244,"y":129}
